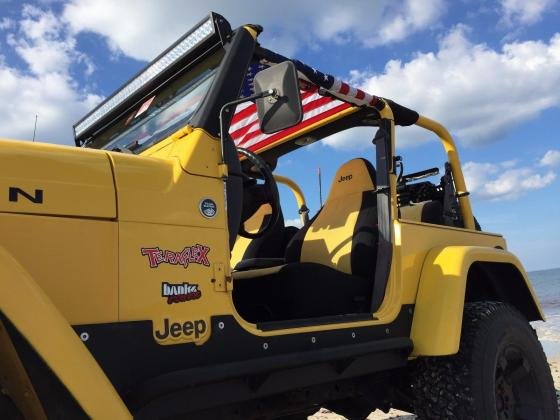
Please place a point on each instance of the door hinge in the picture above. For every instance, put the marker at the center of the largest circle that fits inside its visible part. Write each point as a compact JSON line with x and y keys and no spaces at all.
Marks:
{"x":222,"y":278}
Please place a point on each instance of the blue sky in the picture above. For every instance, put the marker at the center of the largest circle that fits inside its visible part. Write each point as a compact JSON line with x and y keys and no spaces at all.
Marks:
{"x":488,"y":70}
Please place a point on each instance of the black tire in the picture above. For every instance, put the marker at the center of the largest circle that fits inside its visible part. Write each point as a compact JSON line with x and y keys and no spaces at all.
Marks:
{"x":500,"y":372}
{"x":8,"y":410}
{"x":298,"y":416}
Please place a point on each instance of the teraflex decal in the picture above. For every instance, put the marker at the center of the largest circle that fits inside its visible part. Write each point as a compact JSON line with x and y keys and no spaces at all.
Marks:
{"x":196,"y":254}
{"x":182,"y":292}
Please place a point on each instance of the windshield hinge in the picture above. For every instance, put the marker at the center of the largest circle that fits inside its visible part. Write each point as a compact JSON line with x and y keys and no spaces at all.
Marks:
{"x":185,"y":131}
{"x":223,"y":171}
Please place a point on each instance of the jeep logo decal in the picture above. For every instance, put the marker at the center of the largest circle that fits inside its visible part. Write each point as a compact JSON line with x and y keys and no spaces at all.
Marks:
{"x":345,"y":178}
{"x":192,"y":330}
{"x":15,"y":192}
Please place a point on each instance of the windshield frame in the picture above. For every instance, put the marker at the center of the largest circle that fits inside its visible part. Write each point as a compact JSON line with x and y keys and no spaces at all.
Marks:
{"x":143,"y":113}
{"x":166,"y":67}
{"x":238,"y":47}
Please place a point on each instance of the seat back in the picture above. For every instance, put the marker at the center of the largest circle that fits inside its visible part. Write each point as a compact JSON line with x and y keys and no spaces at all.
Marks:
{"x":425,"y":212}
{"x":344,"y":234}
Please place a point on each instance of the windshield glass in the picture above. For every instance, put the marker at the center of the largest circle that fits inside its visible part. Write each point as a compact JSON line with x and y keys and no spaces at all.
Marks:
{"x":161,"y":114}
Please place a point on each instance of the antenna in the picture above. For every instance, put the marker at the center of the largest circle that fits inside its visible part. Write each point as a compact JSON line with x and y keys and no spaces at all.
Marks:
{"x":35,"y":128}
{"x":320,"y":187}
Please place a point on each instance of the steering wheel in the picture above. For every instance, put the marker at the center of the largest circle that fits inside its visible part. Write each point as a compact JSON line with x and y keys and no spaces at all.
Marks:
{"x":271,"y":193}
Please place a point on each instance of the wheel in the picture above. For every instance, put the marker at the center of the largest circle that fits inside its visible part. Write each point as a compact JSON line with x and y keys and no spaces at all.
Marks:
{"x":500,"y":371}
{"x":8,"y":410}
{"x":296,"y":416}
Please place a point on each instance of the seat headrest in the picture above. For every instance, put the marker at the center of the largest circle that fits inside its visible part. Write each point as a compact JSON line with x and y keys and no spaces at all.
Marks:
{"x":355,"y":176}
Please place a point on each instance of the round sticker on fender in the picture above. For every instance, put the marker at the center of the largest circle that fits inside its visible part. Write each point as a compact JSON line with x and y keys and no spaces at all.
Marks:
{"x":208,"y":208}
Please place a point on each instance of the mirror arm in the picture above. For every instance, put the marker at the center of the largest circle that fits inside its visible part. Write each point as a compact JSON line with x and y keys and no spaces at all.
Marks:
{"x":226,"y":109}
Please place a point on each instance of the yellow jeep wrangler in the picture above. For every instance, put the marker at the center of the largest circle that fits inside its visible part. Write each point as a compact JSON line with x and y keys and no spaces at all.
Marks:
{"x":148,"y":272}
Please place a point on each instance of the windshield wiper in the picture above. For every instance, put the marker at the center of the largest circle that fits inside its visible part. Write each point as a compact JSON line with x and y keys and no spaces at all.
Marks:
{"x":122,"y":150}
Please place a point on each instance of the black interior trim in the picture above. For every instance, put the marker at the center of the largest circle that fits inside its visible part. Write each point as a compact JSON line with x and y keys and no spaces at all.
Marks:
{"x":324,"y":320}
{"x":269,"y":245}
{"x":294,"y":247}
{"x":365,"y":237}
{"x":371,"y":170}
{"x":383,"y":143}
{"x":234,"y":190}
{"x":300,"y":290}
{"x":403,"y":116}
{"x":256,"y":263}
{"x":432,"y":212}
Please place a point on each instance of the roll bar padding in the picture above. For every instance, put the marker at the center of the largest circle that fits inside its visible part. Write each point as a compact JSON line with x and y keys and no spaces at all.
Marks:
{"x":402,"y":115}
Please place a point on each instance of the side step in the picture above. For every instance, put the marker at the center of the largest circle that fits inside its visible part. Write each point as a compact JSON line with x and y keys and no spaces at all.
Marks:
{"x":195,"y":389}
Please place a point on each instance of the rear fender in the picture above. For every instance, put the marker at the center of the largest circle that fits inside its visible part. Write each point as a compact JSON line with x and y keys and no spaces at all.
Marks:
{"x":36,"y":318}
{"x":438,"y":313}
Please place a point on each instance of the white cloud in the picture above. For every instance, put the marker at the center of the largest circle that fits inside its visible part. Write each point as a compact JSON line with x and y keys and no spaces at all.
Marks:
{"x":504,"y":180}
{"x":477,"y":92}
{"x":551,"y":158}
{"x":44,"y":44}
{"x":145,"y":26}
{"x":357,"y":138}
{"x":6,"y":23}
{"x":46,"y":88}
{"x":293,"y":222}
{"x":53,"y":97}
{"x":525,"y":12}
{"x":410,"y":17}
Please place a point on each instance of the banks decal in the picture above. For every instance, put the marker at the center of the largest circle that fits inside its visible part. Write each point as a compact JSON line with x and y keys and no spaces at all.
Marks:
{"x":190,"y":329}
{"x":196,"y":254}
{"x":182,"y":292}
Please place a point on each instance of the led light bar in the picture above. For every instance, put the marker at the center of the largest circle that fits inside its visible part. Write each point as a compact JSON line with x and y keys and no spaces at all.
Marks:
{"x":193,"y":38}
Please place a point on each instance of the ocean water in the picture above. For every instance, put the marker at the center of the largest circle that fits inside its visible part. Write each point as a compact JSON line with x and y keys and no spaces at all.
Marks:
{"x":547,"y":287}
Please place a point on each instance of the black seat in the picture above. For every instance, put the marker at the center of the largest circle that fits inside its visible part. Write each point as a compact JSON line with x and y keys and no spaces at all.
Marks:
{"x":425,"y":212}
{"x":330,"y":262}
{"x":267,"y":250}
{"x":299,"y":291}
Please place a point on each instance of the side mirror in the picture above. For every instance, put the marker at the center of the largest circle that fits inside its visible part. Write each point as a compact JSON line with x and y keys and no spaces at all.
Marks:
{"x":283,"y":109}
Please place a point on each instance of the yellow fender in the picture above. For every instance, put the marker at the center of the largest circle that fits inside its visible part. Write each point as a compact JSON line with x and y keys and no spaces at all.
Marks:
{"x":438,"y":313}
{"x":48,"y":332}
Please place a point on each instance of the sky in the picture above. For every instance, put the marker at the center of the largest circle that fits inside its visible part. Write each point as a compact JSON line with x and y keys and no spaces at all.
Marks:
{"x":489,"y":70}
